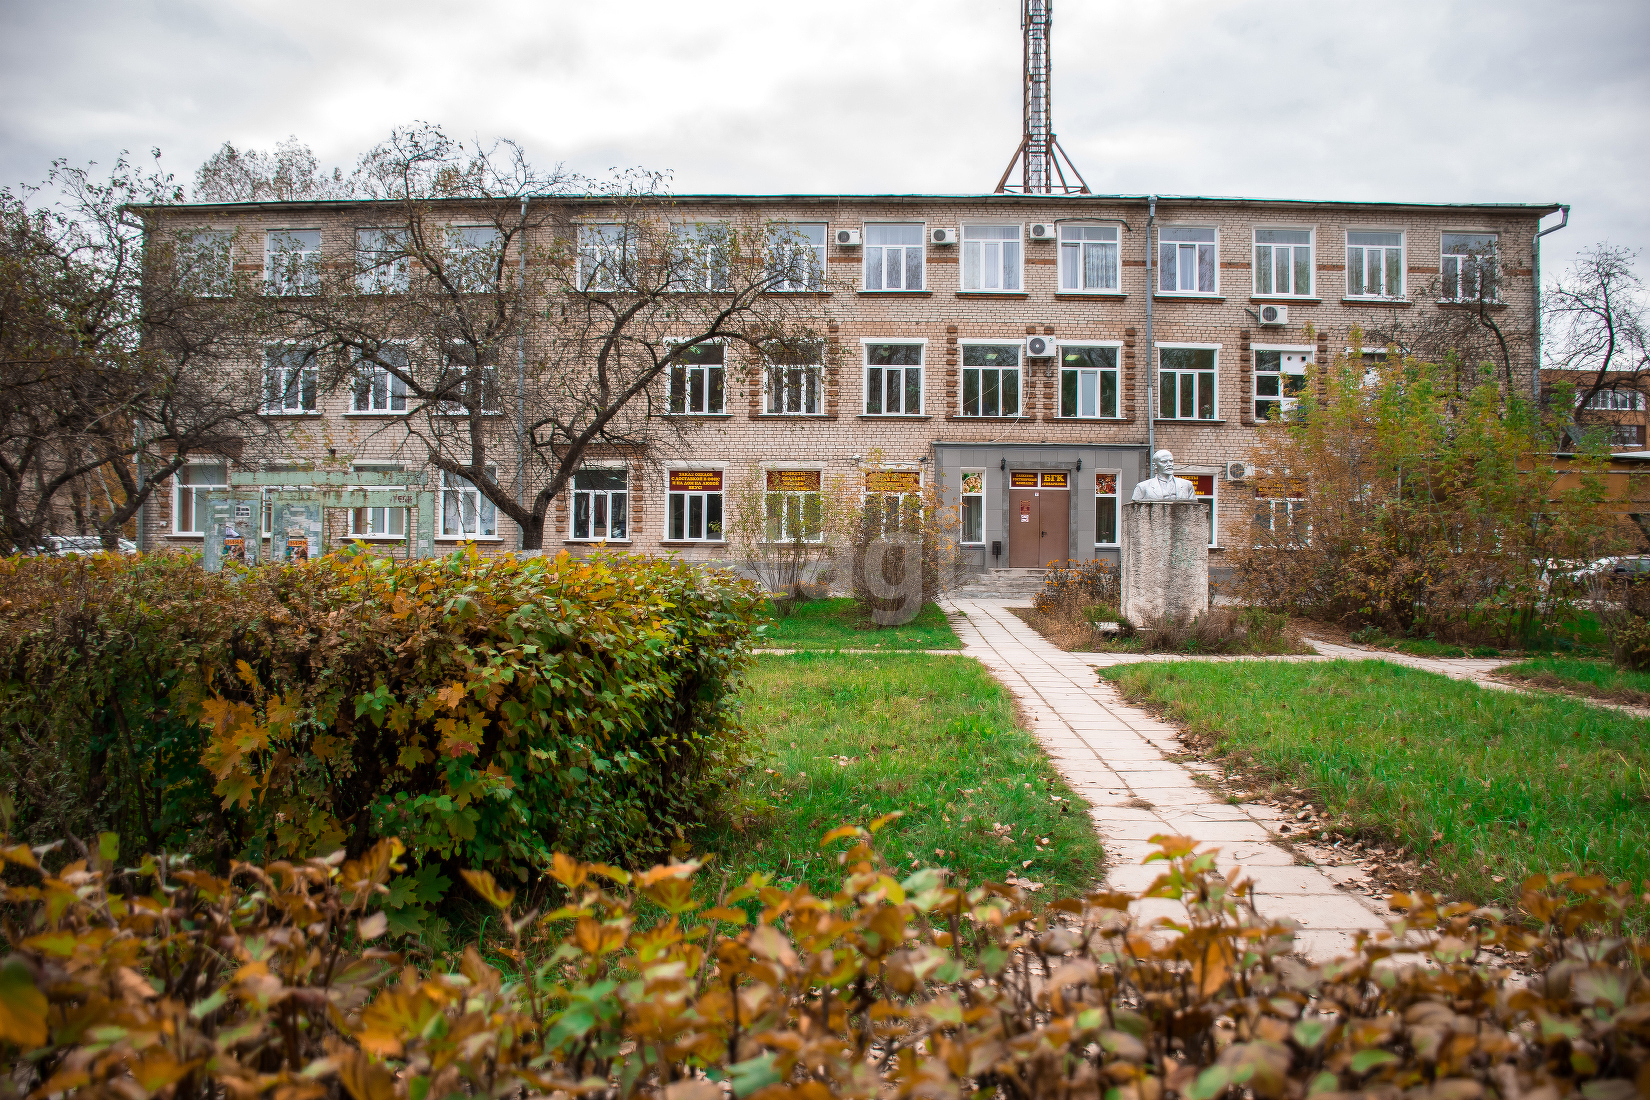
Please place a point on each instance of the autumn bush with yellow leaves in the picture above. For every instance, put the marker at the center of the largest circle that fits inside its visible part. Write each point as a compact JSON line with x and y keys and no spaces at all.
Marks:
{"x":161,"y":981}
{"x":484,"y":712}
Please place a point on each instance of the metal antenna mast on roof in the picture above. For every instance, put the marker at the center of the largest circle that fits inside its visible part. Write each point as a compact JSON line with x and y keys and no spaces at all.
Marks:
{"x":1039,"y":155}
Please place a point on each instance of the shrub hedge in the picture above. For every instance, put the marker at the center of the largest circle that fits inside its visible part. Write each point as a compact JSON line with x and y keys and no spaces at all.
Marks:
{"x":164,"y":982}
{"x":483,"y":712}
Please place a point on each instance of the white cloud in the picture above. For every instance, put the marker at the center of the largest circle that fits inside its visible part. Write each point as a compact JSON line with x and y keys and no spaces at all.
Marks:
{"x":1431,"y":100}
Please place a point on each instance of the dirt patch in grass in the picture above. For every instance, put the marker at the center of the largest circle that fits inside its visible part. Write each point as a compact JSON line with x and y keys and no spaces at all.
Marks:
{"x":1591,"y":679}
{"x":1076,"y":635}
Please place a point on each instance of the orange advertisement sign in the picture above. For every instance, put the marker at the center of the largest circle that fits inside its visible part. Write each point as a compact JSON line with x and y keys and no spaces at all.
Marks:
{"x":1054,"y":479}
{"x":1205,"y":484}
{"x":1105,"y":484}
{"x":893,"y":481}
{"x":793,"y":481}
{"x":696,"y":481}
{"x":1022,"y":479}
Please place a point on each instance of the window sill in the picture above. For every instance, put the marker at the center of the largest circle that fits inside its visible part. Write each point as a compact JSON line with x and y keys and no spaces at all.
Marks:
{"x":376,"y":414}
{"x":1088,"y":419}
{"x":468,"y":538}
{"x":992,"y":294}
{"x":696,"y":416}
{"x":1186,"y":420}
{"x":1391,"y":303}
{"x":190,"y":535}
{"x":1189,"y":297}
{"x":796,"y":294}
{"x":392,"y":539}
{"x":1460,"y":303}
{"x":1027,"y":419}
{"x":463,"y":413}
{"x":1115,"y":295}
{"x":1285,"y":299}
{"x":795,"y":416}
{"x":895,"y":293}
{"x":292,"y":415}
{"x":893,"y":416}
{"x":595,"y":542}
{"x":692,"y":542}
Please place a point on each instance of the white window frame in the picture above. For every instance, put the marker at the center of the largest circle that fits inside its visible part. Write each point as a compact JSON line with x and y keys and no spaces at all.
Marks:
{"x":710,"y":273}
{"x":373,"y":273}
{"x":920,"y":247}
{"x":459,"y":489}
{"x":1018,"y":370}
{"x":1006,"y":269}
{"x":607,"y":495}
{"x":1291,"y":505}
{"x":205,"y":259}
{"x":1072,"y":263}
{"x":1181,"y":249}
{"x":1311,"y":247}
{"x":462,"y":251}
{"x":1116,"y":497}
{"x":1611,"y":399}
{"x":679,"y":384}
{"x":191,"y":490}
{"x":604,"y":247}
{"x":1283,"y":400}
{"x":687,"y":497}
{"x":1362,"y":268}
{"x":791,"y":501}
{"x":488,"y":376}
{"x":1214,"y":505}
{"x":1215,"y":402}
{"x":965,"y":495}
{"x":902,"y":502}
{"x":866,"y":343}
{"x":1493,"y":260}
{"x":785,"y":237}
{"x":309,"y":378}
{"x":371,"y":378}
{"x":777,"y":391}
{"x":292,"y":271}
{"x":1116,"y":347}
{"x":383,"y":513}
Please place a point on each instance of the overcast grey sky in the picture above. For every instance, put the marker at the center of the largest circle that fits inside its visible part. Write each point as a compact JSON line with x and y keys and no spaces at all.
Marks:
{"x":1431,"y":100}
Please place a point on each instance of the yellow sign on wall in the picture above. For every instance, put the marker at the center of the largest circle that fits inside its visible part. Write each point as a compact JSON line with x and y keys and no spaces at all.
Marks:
{"x":793,"y":481}
{"x":696,"y":481}
{"x":893,"y":481}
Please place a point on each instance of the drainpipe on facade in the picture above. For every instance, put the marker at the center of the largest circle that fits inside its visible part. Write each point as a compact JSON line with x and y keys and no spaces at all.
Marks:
{"x":1151,"y":375}
{"x":521,"y":378}
{"x":1535,"y":264}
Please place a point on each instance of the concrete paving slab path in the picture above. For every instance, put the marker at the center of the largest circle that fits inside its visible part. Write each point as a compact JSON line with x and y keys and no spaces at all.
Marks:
{"x":1117,"y":757}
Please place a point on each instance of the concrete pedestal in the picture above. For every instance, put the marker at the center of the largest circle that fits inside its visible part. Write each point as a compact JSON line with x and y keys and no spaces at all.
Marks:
{"x":1165,"y":559}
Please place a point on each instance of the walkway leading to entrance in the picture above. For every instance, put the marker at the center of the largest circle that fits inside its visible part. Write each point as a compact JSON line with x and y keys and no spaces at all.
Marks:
{"x":1114,"y":755}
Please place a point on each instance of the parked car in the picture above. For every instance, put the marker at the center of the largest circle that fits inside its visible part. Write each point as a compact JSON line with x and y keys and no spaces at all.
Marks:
{"x":1631,"y":565}
{"x":62,"y":546}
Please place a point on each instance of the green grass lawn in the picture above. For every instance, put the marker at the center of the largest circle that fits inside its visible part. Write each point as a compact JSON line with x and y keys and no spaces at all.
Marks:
{"x":836,"y":624}
{"x":845,"y":738}
{"x":1468,"y":778}
{"x":1600,"y":679}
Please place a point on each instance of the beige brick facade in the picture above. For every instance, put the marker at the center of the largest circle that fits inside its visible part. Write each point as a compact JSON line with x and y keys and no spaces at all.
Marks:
{"x":945,"y":318}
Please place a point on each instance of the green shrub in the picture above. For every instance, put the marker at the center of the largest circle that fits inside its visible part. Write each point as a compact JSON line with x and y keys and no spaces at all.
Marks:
{"x":912,"y":986}
{"x":1630,"y":643}
{"x":486,"y":713}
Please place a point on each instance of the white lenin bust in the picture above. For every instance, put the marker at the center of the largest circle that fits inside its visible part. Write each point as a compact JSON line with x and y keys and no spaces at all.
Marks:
{"x":1163,"y":485}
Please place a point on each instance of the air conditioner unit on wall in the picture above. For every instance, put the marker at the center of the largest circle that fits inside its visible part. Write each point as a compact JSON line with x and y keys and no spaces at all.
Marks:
{"x":1042,"y":231}
{"x":1239,"y":471}
{"x":943,"y":236}
{"x":1039,"y":347}
{"x":1274,"y":315}
{"x":847,"y":238}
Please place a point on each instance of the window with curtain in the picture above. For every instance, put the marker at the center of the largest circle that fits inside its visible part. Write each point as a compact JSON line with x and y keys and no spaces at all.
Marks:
{"x":1186,"y":260}
{"x":991,"y":257}
{"x":1088,"y":258}
{"x":893,"y":257}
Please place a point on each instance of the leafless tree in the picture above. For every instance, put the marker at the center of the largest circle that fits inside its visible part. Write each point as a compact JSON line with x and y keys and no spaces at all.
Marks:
{"x":251,"y":175}
{"x":1594,"y":317}
{"x":516,"y":348}
{"x":112,"y":373}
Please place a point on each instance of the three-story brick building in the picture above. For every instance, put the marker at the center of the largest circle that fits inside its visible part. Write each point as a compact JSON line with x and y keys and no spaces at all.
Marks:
{"x":1018,"y":351}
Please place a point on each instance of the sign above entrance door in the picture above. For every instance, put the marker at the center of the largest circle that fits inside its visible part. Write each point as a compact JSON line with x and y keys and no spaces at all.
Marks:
{"x":1032,"y":479}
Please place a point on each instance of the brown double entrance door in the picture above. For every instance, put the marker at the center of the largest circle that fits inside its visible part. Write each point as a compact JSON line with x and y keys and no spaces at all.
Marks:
{"x":1039,"y":518}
